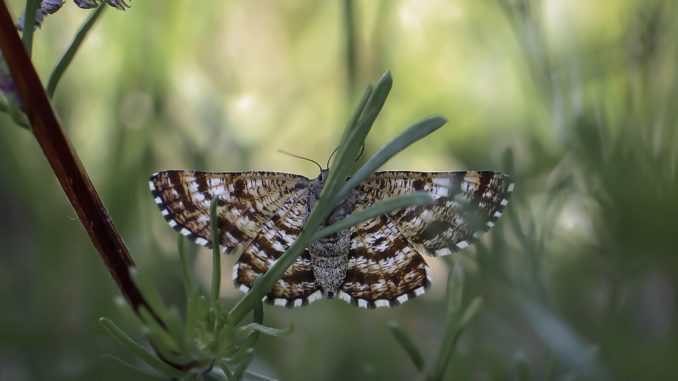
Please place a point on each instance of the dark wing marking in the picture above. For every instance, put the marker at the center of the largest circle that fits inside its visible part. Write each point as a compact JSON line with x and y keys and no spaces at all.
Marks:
{"x":383,"y":269}
{"x":468,"y":203}
{"x":247,"y":200}
{"x":297,"y":287}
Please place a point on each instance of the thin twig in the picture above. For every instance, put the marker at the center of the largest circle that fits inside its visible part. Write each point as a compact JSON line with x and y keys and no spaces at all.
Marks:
{"x":65,"y":163}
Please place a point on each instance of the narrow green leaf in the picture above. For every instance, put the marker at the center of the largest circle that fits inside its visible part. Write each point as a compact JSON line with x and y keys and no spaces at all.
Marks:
{"x":470,"y":312}
{"x":453,"y":332}
{"x":158,"y":335}
{"x":149,"y":292}
{"x":455,"y":291}
{"x":408,"y":345}
{"x":73,"y":49}
{"x":196,"y":307}
{"x":216,"y":255}
{"x":28,"y":29}
{"x":256,"y":327}
{"x":413,"y":133}
{"x":244,"y":363}
{"x":354,"y":138}
{"x":378,"y":209}
{"x":189,"y":286}
{"x":113,"y":330}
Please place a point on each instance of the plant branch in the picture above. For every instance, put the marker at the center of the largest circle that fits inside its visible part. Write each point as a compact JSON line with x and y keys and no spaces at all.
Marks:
{"x":65,"y":163}
{"x":72,"y":49}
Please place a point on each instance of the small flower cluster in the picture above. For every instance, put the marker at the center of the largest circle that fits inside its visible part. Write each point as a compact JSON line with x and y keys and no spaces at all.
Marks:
{"x":51,"y":6}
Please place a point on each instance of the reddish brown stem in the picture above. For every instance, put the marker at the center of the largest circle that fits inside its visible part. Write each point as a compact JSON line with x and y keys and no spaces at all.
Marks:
{"x":65,"y":163}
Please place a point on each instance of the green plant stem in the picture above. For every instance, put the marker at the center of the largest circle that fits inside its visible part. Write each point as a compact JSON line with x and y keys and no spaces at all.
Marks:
{"x":66,"y":166}
{"x":29,"y":24}
{"x":68,"y":56}
{"x":352,"y":139}
{"x":407,"y":344}
{"x":349,"y":148}
{"x":351,"y":48}
{"x":379,"y":208}
{"x":216,"y":255}
{"x":415,"y":132}
{"x":455,"y":327}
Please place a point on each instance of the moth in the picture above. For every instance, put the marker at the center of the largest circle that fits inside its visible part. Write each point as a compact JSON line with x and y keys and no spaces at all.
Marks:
{"x":378,"y":263}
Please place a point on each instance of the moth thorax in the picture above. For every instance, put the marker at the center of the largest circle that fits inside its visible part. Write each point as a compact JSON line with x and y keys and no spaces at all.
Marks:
{"x":330,"y":259}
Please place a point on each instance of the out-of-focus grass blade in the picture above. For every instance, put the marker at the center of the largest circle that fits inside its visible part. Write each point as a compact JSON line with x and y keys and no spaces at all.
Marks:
{"x":136,"y":348}
{"x":161,"y":339}
{"x":413,"y":133}
{"x":407,"y":344}
{"x":28,"y":28}
{"x":378,"y":209}
{"x":522,"y":371}
{"x":455,"y":291}
{"x":73,"y":49}
{"x":149,"y":292}
{"x":452,"y":334}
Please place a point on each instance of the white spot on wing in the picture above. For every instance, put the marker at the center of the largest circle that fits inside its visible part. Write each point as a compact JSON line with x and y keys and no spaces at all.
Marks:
{"x":280,"y":302}
{"x":158,"y":200}
{"x":442,"y":181}
{"x":172,"y":223}
{"x":419,"y":291}
{"x":243,"y":288}
{"x":382,"y":303}
{"x":490,"y":224}
{"x":344,"y":296}
{"x":298,"y":302}
{"x":444,"y":251}
{"x":362,"y":303}
{"x":504,"y":202}
{"x":462,"y":244}
{"x":201,"y":241}
{"x":510,"y":187}
{"x":234,"y":274}
{"x":151,"y":185}
{"x":185,"y":232}
{"x":315,"y":296}
{"x":497,"y":214}
{"x":402,"y":298}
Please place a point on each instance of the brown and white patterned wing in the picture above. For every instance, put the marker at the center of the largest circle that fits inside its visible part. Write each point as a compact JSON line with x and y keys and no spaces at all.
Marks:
{"x":467,"y":204}
{"x":297,"y":287}
{"x":247,"y":201}
{"x":384,"y":270}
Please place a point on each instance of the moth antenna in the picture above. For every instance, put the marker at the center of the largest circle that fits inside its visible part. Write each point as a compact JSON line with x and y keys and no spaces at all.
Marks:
{"x":330,"y":158}
{"x":301,"y":157}
{"x":362,"y":150}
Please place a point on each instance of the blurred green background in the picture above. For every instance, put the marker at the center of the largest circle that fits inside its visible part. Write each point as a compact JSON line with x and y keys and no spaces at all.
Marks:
{"x":576,"y":100}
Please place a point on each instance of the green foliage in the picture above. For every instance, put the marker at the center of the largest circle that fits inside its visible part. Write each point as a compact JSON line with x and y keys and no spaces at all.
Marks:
{"x":574,"y":100}
{"x":208,"y":336}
